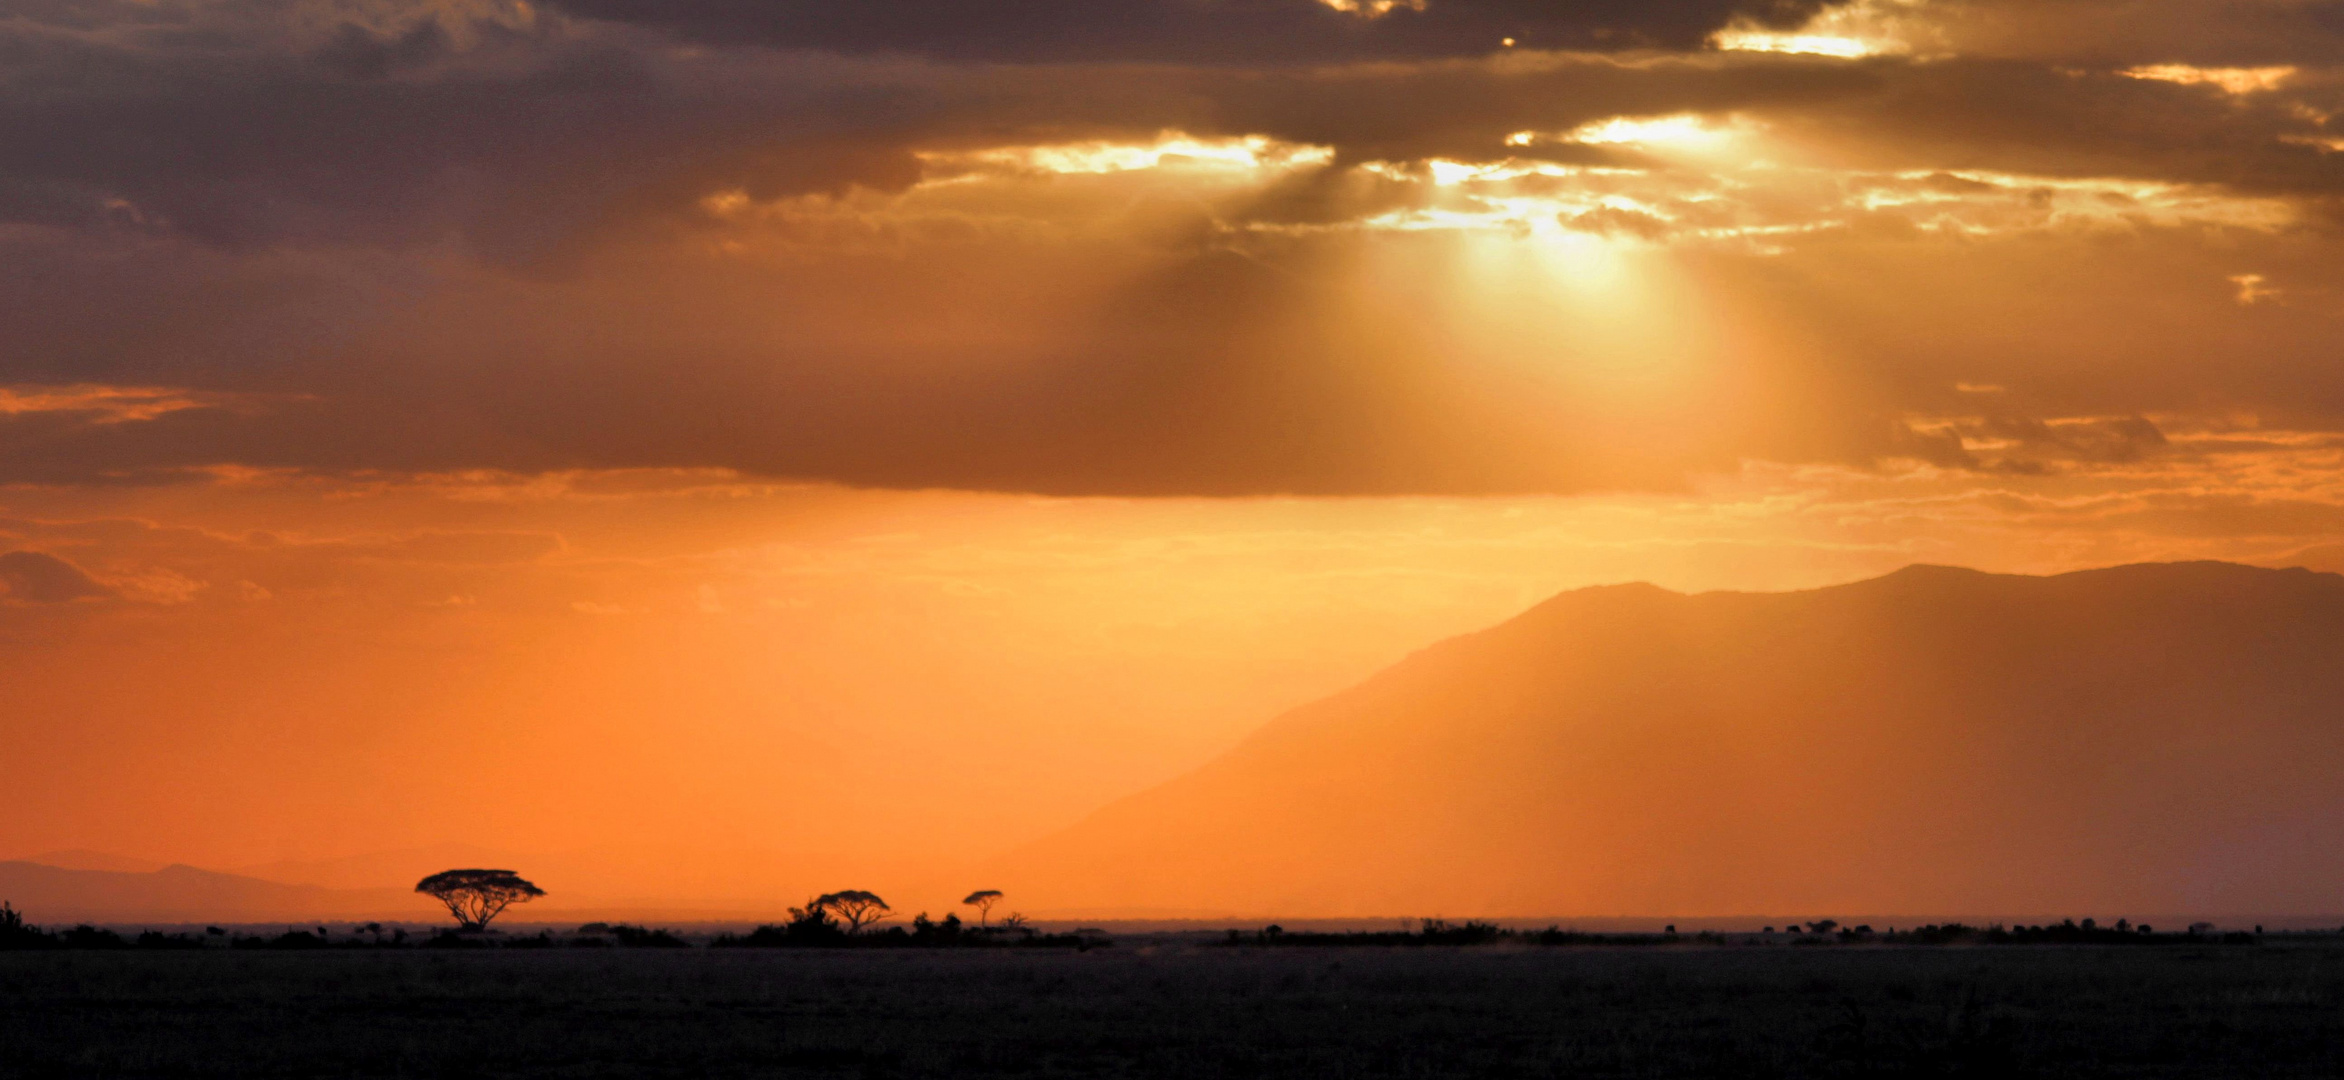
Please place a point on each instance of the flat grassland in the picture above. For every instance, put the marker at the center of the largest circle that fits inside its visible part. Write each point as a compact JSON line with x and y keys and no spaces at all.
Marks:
{"x":1182,"y":1010}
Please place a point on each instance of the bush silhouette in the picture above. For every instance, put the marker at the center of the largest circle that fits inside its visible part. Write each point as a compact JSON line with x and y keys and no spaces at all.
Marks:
{"x":948,"y":932}
{"x":156,"y":939}
{"x":643,"y":937}
{"x":15,"y":933}
{"x":86,"y":936}
{"x":812,"y":927}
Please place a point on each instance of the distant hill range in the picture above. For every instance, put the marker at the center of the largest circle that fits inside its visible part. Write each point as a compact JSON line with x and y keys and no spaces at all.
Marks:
{"x":382,"y":868}
{"x":2142,"y":739}
{"x":668,"y":882}
{"x":52,"y":894}
{"x":84,"y":859}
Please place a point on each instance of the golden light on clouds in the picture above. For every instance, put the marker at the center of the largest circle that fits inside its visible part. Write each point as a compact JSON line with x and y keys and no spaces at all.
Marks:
{"x":1683,"y":131}
{"x":2238,"y":81}
{"x":1848,"y":31}
{"x":2253,"y":288}
{"x":1732,"y":193}
{"x":105,"y":404}
{"x":1374,"y":9}
{"x":1684,"y":177}
{"x":1845,"y":48}
{"x":1170,"y":149}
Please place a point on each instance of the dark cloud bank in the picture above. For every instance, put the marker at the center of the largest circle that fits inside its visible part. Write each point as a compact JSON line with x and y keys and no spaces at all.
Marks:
{"x":1195,"y":31}
{"x":254,"y":199}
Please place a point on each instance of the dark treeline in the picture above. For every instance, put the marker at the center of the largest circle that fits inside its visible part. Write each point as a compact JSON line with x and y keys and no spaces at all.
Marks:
{"x":811,"y":927}
{"x":1821,"y":932}
{"x":2070,"y":932}
{"x":816,"y":926}
{"x":18,"y":935}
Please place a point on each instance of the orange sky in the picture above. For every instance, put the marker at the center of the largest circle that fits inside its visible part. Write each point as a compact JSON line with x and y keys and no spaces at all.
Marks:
{"x":870,"y":440}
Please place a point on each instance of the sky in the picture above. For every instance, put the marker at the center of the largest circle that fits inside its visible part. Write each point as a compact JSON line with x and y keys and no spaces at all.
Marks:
{"x":734,"y":437}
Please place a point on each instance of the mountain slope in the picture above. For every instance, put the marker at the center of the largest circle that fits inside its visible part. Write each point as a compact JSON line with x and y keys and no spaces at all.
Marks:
{"x":383,"y":869}
{"x":85,"y":859}
{"x":49,"y":894}
{"x":2144,"y":738}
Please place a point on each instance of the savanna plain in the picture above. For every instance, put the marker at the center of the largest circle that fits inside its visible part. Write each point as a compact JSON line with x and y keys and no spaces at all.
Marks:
{"x":1185,"y":1006}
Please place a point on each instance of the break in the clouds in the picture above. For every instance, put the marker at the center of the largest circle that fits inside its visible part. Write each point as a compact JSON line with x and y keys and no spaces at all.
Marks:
{"x":1161,"y":247}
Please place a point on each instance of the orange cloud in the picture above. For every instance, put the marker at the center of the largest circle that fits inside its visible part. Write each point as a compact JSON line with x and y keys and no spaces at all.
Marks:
{"x":103,"y":404}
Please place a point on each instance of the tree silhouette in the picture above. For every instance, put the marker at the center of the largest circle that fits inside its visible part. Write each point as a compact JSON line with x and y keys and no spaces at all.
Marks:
{"x":15,"y":933}
{"x":476,"y":896}
{"x":854,"y":907}
{"x":983,"y":900}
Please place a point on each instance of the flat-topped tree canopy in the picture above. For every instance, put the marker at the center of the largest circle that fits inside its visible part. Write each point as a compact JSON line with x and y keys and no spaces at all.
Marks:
{"x":476,"y":896}
{"x":855,"y":907}
{"x":983,"y":900}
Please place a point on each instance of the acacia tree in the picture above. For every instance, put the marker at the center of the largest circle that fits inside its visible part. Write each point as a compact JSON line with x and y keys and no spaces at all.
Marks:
{"x":854,"y":907}
{"x":983,"y":900}
{"x":476,"y":896}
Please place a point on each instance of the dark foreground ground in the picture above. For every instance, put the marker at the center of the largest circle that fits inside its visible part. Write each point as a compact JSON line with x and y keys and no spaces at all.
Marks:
{"x":2266,"y":1011}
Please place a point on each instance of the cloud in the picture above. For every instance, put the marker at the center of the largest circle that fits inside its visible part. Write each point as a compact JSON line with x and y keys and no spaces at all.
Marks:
{"x":1159,"y":253}
{"x":102,"y":404}
{"x":532,"y":139}
{"x":2231,"y":80}
{"x":2208,"y":33}
{"x":1194,"y":31}
{"x":35,"y":578}
{"x":2030,"y":445}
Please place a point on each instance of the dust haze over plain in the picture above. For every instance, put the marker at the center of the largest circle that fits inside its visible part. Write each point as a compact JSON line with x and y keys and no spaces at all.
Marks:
{"x":597,"y":431}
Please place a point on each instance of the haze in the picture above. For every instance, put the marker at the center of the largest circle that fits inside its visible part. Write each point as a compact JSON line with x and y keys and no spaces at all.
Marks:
{"x":725,"y":452}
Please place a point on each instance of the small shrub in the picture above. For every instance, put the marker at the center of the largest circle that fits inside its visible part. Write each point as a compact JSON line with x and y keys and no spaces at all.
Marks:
{"x":156,"y":939}
{"x":638,"y":937}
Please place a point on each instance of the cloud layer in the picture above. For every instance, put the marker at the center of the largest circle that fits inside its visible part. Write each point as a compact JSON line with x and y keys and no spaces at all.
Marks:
{"x":1161,"y":247}
{"x":1236,"y":32}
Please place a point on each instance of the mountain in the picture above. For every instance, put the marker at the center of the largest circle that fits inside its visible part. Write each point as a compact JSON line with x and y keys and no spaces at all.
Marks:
{"x":2142,"y":739}
{"x":673,"y":881}
{"x":50,"y":894}
{"x":85,"y":859}
{"x":618,"y":881}
{"x":398,"y":869}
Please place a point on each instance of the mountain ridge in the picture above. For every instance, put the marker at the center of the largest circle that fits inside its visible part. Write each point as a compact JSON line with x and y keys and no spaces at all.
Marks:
{"x":182,"y":893}
{"x":1964,"y":740}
